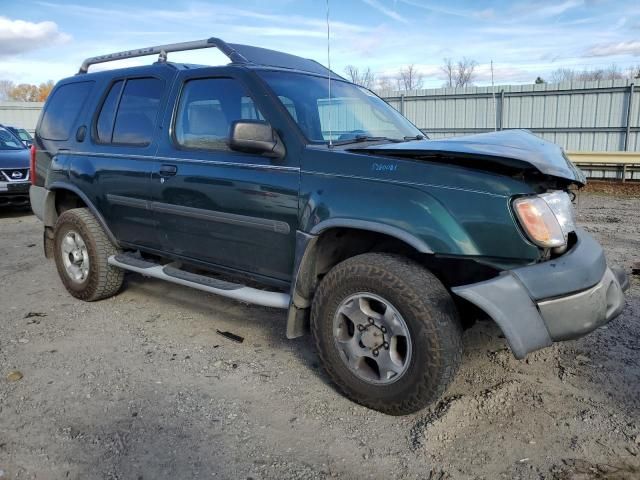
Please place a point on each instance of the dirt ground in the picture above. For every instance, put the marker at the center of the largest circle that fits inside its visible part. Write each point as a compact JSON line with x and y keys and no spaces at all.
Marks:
{"x":142,"y":387}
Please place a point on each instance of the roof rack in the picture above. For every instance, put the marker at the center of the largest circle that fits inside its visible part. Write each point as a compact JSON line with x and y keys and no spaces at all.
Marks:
{"x":162,"y":50}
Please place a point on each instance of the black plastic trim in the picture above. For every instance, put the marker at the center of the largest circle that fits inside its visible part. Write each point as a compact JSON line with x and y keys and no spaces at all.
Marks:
{"x":579,"y":269}
{"x":223,"y":217}
{"x":507,"y":302}
{"x":303,"y":271}
{"x":134,"y":261}
{"x":284,"y":285}
{"x":128,"y":201}
{"x":203,"y":214}
{"x":396,"y":232}
{"x":201,"y":279}
{"x":92,"y":208}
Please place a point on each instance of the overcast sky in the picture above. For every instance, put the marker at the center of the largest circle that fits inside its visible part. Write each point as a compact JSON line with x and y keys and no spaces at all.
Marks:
{"x":41,"y":40}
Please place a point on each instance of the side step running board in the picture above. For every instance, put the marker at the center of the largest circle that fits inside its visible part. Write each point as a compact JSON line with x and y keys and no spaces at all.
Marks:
{"x":200,"y":282}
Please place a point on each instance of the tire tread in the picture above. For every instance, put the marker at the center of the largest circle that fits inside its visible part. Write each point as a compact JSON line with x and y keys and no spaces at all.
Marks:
{"x":430,"y":303}
{"x":104,"y":280}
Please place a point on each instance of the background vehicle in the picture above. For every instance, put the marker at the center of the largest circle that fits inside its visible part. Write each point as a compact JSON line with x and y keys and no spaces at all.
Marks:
{"x":14,"y":170}
{"x":24,"y":136}
{"x":274,"y":172}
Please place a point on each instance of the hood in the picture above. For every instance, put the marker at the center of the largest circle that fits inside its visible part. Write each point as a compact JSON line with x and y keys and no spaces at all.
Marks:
{"x":14,"y":158}
{"x":513,"y":149}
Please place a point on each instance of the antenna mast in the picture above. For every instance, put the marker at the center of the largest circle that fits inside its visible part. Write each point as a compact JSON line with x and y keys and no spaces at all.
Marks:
{"x":495,"y":105}
{"x":329,"y":67}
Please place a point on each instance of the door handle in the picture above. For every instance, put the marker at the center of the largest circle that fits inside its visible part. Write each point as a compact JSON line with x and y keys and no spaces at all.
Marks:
{"x":168,"y":170}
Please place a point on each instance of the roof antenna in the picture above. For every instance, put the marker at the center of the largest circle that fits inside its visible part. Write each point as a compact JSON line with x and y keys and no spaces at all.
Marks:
{"x":329,"y":66}
{"x":495,"y":105}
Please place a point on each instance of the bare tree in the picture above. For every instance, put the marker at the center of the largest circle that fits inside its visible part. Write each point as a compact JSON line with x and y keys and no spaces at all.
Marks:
{"x":365,"y":78}
{"x":562,"y":75}
{"x":449,"y":70}
{"x":612,"y":72}
{"x":633,"y":72}
{"x":465,"y":72}
{"x":385,"y":82}
{"x":6,"y":86}
{"x":409,"y":78}
{"x":460,"y":73}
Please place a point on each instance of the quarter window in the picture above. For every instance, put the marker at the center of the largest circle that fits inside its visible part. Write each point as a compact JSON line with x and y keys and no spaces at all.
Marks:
{"x":129,"y":112}
{"x":62,"y":110}
{"x":206,"y":110}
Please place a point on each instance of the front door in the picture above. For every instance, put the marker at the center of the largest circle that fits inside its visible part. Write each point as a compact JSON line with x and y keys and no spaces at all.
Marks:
{"x":214,"y":205}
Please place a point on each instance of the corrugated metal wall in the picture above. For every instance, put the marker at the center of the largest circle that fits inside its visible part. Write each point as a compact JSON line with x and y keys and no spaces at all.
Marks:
{"x":580,"y":116}
{"x":20,"y":114}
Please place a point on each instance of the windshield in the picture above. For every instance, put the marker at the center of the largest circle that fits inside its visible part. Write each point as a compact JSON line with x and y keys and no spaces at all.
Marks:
{"x":352,"y":112}
{"x":8,"y":141}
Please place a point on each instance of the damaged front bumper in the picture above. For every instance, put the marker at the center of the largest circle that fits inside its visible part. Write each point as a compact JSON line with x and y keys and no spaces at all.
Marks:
{"x":557,"y":300}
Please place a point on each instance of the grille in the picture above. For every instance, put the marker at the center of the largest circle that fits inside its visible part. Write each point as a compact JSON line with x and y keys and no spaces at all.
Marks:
{"x":15,"y":174}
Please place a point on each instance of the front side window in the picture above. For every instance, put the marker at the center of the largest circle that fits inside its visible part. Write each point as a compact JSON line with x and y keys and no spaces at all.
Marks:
{"x":24,"y":135}
{"x":62,"y":109}
{"x":206,"y":110}
{"x":351,"y":111}
{"x":129,"y":112}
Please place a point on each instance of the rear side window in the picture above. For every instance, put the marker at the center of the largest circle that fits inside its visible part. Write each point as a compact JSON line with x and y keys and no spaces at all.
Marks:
{"x":129,"y":112}
{"x":104,"y":126}
{"x":62,"y":110}
{"x":206,"y":110}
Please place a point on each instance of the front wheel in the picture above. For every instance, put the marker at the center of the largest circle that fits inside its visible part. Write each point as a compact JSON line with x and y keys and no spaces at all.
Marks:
{"x":81,"y":251}
{"x":387,"y":332}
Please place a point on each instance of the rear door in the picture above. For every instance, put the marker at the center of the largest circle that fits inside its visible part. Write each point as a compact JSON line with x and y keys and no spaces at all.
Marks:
{"x":215,"y":205}
{"x":122,"y":157}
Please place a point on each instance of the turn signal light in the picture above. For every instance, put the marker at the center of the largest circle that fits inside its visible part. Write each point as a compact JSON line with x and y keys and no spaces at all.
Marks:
{"x":539,"y":222}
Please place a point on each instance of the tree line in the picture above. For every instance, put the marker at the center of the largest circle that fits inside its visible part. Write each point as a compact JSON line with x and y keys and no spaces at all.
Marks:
{"x":613,"y":72}
{"x":463,"y":73}
{"x":459,"y":73}
{"x":24,"y":92}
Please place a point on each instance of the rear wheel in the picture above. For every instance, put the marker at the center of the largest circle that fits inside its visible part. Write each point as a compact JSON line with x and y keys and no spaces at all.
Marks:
{"x":81,"y":249}
{"x":387,"y":332}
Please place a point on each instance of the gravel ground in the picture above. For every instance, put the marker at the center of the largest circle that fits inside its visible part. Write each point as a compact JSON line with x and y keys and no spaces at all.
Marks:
{"x":142,"y":387}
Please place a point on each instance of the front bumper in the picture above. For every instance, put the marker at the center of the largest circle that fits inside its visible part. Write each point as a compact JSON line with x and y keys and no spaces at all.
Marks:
{"x":552,"y":301}
{"x":14,"y":193}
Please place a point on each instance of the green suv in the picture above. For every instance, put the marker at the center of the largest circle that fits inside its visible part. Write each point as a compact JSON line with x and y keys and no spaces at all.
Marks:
{"x":272,"y":180}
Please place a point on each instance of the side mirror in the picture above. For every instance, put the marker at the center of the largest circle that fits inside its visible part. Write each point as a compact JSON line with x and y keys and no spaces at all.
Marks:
{"x":255,"y":136}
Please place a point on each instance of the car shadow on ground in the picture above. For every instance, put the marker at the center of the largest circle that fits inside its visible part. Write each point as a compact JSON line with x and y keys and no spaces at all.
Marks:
{"x":479,"y":340}
{"x":271,"y":322}
{"x":15,"y":212}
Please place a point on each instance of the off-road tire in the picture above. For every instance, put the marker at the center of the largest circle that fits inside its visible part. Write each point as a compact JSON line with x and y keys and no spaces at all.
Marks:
{"x":427,"y":309}
{"x":103,"y":279}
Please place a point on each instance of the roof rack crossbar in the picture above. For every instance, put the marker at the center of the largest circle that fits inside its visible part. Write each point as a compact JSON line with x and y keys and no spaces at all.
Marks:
{"x":162,"y":51}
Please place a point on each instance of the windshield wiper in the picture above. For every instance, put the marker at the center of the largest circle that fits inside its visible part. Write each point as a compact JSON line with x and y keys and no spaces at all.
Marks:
{"x":364,"y":138}
{"x":417,"y":137}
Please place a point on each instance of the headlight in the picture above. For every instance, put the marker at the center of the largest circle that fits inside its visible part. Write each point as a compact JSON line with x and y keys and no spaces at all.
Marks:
{"x":560,"y":204}
{"x":547,"y":219}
